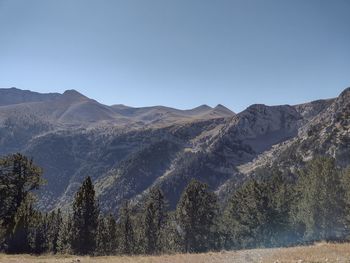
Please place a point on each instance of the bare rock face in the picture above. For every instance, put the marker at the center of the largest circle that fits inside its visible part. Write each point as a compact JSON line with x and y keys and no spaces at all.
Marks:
{"x":267,"y":125}
{"x":256,"y":129}
{"x":324,"y":130}
{"x":312,"y":109}
{"x":128,"y":150}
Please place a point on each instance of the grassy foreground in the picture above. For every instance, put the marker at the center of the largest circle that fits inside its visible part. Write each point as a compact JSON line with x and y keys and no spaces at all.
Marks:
{"x":321,"y":252}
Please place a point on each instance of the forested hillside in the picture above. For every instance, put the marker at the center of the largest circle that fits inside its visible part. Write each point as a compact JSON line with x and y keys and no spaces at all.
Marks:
{"x":271,"y":209}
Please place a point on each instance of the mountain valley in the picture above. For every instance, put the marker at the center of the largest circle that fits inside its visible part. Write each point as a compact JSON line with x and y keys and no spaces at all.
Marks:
{"x":128,"y":150}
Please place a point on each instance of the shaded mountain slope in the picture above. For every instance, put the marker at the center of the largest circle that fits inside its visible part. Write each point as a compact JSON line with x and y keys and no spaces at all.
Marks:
{"x":128,"y":150}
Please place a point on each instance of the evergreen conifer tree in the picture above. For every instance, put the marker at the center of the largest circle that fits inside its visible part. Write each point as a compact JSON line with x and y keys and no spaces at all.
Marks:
{"x":21,"y":238}
{"x":54,"y":225}
{"x":85,"y":219}
{"x":346,"y":186}
{"x":39,"y":238}
{"x":64,"y":239}
{"x":320,"y":204}
{"x":18,"y":177}
{"x":257,"y":215}
{"x":153,"y":221}
{"x":196,"y":215}
{"x":126,"y":230}
{"x":102,"y":238}
{"x":112,"y":231}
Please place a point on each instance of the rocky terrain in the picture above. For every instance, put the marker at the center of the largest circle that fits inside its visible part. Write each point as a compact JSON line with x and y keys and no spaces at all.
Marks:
{"x":128,"y":150}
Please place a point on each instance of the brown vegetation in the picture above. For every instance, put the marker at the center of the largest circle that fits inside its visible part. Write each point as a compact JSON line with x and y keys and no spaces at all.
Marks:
{"x":322,"y":252}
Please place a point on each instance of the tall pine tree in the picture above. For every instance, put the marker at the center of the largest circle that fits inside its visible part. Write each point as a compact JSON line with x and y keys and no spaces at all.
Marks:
{"x":85,"y":219}
{"x":320,"y":204}
{"x":54,"y":225}
{"x":19,"y":176}
{"x":154,"y":221}
{"x":126,"y":230}
{"x":21,"y":238}
{"x":65,"y":236}
{"x":112,"y":232}
{"x":102,"y":238}
{"x":196,"y":215}
{"x":257,"y":215}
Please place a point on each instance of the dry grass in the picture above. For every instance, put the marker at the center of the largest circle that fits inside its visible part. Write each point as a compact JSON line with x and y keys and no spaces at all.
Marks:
{"x":322,"y":252}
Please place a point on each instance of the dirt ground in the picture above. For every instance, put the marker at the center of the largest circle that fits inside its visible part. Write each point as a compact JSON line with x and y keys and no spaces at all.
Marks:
{"x":321,"y":252}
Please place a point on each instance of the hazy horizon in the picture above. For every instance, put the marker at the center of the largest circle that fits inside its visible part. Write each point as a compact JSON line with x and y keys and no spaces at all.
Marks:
{"x":179,"y":54}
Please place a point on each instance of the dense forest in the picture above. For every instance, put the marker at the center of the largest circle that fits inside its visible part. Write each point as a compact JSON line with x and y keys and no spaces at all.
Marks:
{"x":272,"y":208}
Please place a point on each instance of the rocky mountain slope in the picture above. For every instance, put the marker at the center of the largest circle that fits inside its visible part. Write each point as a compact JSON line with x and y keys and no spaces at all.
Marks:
{"x":128,"y":150}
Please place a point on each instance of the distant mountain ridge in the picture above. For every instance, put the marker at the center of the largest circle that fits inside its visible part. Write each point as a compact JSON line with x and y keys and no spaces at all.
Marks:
{"x":128,"y":150}
{"x":16,"y":96}
{"x":73,"y":108}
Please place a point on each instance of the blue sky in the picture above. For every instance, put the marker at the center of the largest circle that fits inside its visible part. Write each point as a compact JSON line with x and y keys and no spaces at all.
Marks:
{"x":179,"y":53}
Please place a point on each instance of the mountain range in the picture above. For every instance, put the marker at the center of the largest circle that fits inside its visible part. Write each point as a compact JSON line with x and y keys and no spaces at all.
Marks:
{"x":127,"y":150}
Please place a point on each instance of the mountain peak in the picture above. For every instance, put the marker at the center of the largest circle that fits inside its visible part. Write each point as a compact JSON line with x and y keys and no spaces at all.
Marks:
{"x":221,"y":108}
{"x":203,"y":107}
{"x":345,"y":93}
{"x":73,"y":94}
{"x":256,"y":107}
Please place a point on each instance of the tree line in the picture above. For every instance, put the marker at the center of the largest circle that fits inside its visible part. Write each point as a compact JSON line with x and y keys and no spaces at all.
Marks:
{"x":270,"y":209}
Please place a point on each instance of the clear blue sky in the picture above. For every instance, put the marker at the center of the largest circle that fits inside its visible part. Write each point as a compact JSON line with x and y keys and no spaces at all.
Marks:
{"x":179,"y":53}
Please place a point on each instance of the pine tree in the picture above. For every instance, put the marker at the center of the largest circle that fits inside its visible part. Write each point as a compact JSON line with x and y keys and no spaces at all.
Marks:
{"x":196,"y":215}
{"x":126,"y":230}
{"x":243,"y":216}
{"x":65,"y":236}
{"x":112,"y":231}
{"x":20,"y":240}
{"x":281,"y":195}
{"x":320,"y":205}
{"x":39,"y":233}
{"x":172,"y":240}
{"x":102,"y":238}
{"x":153,"y":221}
{"x":346,"y":187}
{"x":54,"y":225}
{"x":18,"y":177}
{"x":257,"y":215}
{"x":85,"y":219}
